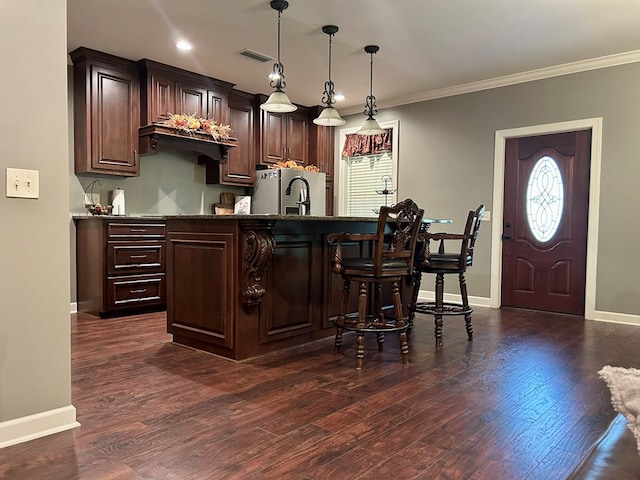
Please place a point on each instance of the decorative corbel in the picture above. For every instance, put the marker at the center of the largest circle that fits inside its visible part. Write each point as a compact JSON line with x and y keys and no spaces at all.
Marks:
{"x":258,"y":245}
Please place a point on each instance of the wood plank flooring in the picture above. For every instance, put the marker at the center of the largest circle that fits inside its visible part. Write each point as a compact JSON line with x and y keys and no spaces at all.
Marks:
{"x":522,"y":401}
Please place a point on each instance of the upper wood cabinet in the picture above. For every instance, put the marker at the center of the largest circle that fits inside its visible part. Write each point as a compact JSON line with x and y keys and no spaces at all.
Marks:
{"x":167,"y":89}
{"x":240,"y":168}
{"x":321,"y":145}
{"x":106,"y":113}
{"x":284,"y":136}
{"x":321,"y":153}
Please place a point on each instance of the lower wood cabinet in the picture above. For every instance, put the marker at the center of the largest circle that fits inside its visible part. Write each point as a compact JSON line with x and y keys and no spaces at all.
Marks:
{"x":120,"y":265}
{"x":202,"y":307}
{"x":242,"y":286}
{"x":289,"y":308}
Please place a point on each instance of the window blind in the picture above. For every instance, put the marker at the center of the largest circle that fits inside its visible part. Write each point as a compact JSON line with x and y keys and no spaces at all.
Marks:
{"x":365,"y":177}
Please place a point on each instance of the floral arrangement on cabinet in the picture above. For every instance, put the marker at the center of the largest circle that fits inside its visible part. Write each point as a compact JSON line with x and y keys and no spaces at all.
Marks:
{"x":191,"y":124}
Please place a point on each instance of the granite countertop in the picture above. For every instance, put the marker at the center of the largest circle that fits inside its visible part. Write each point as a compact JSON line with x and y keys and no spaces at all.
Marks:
{"x":226,"y":217}
{"x":306,"y":218}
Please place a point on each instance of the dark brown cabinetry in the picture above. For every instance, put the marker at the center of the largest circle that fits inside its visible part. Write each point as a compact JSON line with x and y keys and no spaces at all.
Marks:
{"x":284,"y":136}
{"x":118,"y":103}
{"x":240,"y":166}
{"x":106,"y":113}
{"x":120,"y":265}
{"x":242,"y":286}
{"x":167,"y":89}
{"x":203,"y":306}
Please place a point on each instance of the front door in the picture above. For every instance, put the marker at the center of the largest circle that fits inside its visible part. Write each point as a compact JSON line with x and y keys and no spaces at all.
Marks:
{"x":546,"y":197}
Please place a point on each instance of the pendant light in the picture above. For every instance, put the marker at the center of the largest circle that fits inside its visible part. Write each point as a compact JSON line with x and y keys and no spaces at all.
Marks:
{"x":370,"y":125}
{"x":278,"y":101}
{"x":329,"y":117}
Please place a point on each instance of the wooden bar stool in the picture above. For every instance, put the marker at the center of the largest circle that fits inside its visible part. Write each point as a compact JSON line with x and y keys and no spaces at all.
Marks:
{"x":441,"y":264}
{"x":392,"y":260}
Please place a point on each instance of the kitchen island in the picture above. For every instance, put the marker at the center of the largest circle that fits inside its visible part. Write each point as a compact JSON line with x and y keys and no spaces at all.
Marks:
{"x":240,"y":286}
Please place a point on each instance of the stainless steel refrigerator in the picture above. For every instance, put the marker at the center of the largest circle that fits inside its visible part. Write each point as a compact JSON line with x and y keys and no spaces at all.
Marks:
{"x":288,"y":191}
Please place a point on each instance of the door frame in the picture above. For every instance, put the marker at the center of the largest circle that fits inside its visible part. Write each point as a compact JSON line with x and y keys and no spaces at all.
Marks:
{"x":501,"y":136}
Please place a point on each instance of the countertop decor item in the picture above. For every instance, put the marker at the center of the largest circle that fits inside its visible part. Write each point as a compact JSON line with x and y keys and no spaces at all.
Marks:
{"x":226,"y":205}
{"x":93,"y":207}
{"x":242,"y":205}
{"x":98,"y":209}
{"x":117,"y":201}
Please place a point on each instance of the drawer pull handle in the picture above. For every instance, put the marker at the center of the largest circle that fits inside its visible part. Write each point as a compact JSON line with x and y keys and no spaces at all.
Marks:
{"x":138,"y":230}
{"x":141,"y":290}
{"x":137,"y":256}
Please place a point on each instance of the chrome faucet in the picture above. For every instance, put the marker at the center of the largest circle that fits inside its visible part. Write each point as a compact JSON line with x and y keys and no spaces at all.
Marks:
{"x":306,"y":199}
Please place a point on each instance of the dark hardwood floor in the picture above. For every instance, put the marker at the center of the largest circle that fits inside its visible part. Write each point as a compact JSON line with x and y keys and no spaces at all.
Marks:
{"x":522,"y":401}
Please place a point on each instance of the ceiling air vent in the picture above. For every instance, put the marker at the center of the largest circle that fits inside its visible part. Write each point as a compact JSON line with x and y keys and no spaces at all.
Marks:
{"x":252,"y":54}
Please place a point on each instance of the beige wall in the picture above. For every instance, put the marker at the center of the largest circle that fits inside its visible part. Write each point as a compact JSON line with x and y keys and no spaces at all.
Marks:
{"x":34,"y":234}
{"x":446,"y":156}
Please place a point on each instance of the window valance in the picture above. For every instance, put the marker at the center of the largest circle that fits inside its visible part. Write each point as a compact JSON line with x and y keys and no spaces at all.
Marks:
{"x":358,"y":145}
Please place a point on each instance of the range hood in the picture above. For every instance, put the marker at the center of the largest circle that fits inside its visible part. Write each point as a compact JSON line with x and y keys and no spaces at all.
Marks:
{"x":157,"y":138}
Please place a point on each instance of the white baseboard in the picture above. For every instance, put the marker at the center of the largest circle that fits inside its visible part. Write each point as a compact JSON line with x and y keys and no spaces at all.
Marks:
{"x":613,"y":317}
{"x":38,"y":425}
{"x":73,"y":307}
{"x":599,"y":316}
{"x":430,"y":296}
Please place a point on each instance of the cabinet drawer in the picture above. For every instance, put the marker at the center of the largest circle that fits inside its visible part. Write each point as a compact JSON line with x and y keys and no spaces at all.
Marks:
{"x":135,"y":230}
{"x":135,"y":291}
{"x":127,"y":257}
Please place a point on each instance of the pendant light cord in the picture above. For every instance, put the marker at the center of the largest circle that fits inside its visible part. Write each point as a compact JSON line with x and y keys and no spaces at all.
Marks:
{"x":278,"y":69}
{"x":370,"y":109}
{"x":279,"y":15}
{"x":328,"y":85}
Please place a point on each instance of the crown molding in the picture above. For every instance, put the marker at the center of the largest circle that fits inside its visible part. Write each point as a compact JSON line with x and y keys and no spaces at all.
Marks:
{"x":524,"y":77}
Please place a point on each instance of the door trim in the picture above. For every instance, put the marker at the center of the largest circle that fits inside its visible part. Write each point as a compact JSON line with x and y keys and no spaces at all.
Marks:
{"x":501,"y":136}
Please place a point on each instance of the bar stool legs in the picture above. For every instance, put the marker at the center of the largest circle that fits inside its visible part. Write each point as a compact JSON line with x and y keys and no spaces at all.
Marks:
{"x":465,"y":307}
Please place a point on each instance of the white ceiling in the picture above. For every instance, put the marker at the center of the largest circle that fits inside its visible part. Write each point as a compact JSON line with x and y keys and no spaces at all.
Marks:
{"x":426,"y":46}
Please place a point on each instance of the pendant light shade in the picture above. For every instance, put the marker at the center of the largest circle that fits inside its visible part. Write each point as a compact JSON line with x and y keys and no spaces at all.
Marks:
{"x":278,"y":100}
{"x":329,"y":117}
{"x":370,"y":126}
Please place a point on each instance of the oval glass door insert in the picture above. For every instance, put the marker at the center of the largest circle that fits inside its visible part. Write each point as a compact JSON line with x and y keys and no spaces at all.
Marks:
{"x":545,"y":199}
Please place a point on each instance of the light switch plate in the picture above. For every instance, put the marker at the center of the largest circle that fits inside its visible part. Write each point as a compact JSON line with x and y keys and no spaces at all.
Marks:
{"x":487,"y":216}
{"x":23,"y":183}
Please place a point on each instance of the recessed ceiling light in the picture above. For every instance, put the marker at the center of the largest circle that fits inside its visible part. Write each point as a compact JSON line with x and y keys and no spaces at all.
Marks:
{"x":184,"y":45}
{"x":338,"y":97}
